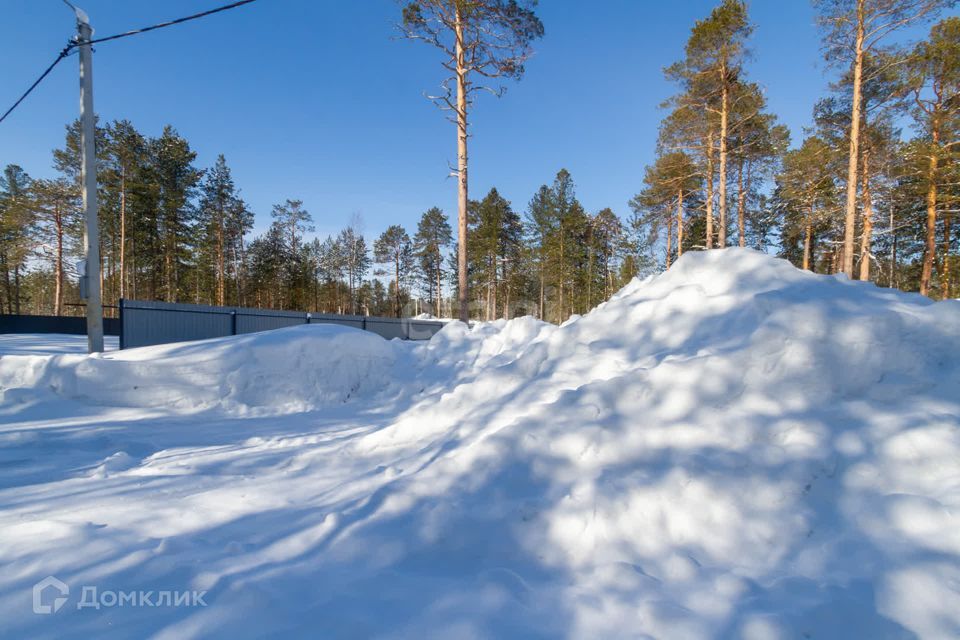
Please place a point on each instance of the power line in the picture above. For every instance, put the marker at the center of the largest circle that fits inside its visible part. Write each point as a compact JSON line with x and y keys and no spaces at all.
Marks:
{"x":63,"y":54}
{"x":202,"y":14}
{"x":74,"y":44}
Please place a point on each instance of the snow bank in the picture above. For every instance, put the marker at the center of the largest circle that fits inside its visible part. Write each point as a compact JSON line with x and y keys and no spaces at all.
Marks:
{"x":284,"y":371}
{"x":732,"y":449}
{"x":460,"y":349}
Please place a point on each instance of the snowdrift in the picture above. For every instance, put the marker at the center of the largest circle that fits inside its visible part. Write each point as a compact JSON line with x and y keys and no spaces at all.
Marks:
{"x":289,"y":370}
{"x":734,"y":448}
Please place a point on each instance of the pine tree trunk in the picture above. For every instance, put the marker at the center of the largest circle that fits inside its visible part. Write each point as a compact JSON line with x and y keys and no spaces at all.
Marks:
{"x":123,"y":232}
{"x":709,"y":240}
{"x":945,"y":270}
{"x":808,"y":240}
{"x":679,"y":223}
{"x":221,"y":263}
{"x":724,"y":109}
{"x":58,"y":268}
{"x":396,"y":288}
{"x":850,"y":211}
{"x":6,"y":282}
{"x":893,"y":251}
{"x":169,"y":275}
{"x":461,"y":73}
{"x":241,"y":272}
{"x":867,"y":233}
{"x":741,"y":209}
{"x":506,"y":299}
{"x":16,"y":289}
{"x":439,"y":284}
{"x":590,"y":276}
{"x":563,"y":274}
{"x":669,"y":243}
{"x":930,"y":245}
{"x":496,"y":288}
{"x":542,"y":276}
{"x":102,"y":262}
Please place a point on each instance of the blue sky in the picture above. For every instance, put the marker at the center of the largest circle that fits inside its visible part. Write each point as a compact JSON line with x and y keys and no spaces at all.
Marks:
{"x":318,"y":100}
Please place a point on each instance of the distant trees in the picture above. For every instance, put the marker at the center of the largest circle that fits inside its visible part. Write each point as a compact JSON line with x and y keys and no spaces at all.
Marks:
{"x":671,"y":185}
{"x":852,"y":31}
{"x":933,"y":78}
{"x":709,"y":75}
{"x":433,"y":237}
{"x":717,"y":137}
{"x":807,"y":193}
{"x":857,"y":194}
{"x":55,"y":209}
{"x":481,"y":41}
{"x":223,"y":220}
{"x":394,"y":248}
{"x":854,"y":196}
{"x":16,"y":223}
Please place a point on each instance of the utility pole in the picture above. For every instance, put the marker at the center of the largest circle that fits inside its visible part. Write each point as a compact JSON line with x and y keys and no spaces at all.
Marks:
{"x":88,"y":178}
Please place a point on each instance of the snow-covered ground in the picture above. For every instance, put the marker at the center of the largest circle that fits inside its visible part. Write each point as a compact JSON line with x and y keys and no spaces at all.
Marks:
{"x":732,"y":449}
{"x":33,"y":344}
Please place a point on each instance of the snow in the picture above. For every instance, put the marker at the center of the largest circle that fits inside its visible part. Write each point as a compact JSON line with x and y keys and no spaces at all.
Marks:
{"x":49,"y":343}
{"x":734,"y":448}
{"x":295,"y":370}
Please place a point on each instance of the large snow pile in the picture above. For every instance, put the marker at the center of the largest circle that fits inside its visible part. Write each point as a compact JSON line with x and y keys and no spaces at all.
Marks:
{"x":732,"y":449}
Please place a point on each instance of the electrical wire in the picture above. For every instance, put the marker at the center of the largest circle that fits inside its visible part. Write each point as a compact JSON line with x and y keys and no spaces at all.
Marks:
{"x":63,"y":54}
{"x":202,"y":14}
{"x":74,"y":44}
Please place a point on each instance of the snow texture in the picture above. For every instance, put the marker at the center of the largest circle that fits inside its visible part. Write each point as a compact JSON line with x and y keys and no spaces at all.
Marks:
{"x":732,"y":449}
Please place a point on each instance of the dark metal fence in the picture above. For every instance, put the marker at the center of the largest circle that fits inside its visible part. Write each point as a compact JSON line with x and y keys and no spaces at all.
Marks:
{"x":147,"y":322}
{"x":54,"y":324}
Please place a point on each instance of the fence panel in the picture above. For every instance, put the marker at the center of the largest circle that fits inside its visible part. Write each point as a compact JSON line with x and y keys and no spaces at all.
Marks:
{"x":251,"y":321}
{"x":146,"y":323}
{"x":389,"y":328}
{"x":76,"y":325}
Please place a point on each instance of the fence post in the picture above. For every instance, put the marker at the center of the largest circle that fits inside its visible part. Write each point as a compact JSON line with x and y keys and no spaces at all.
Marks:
{"x":363,"y":323}
{"x":233,"y":322}
{"x":121,"y":322}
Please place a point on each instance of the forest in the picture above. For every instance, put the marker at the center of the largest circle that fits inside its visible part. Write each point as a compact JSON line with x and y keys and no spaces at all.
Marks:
{"x":870,"y":190}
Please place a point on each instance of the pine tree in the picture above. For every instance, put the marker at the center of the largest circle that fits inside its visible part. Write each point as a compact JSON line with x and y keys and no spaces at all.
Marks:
{"x":807,"y":198}
{"x":394,"y":248}
{"x":16,"y":221}
{"x":485,"y":39}
{"x":55,"y":205}
{"x":356,"y":261}
{"x":433,"y":236}
{"x":495,"y":237}
{"x":175,"y":182}
{"x":713,"y":63}
{"x":671,"y":186}
{"x":934,"y":77}
{"x":125,"y":150}
{"x":757,"y":144}
{"x":540,"y":225}
{"x":606,"y":240}
{"x":218,"y":199}
{"x":852,"y":30}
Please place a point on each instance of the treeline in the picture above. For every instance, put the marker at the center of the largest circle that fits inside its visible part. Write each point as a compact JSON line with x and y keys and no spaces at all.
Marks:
{"x":175,"y":232}
{"x":870,"y":190}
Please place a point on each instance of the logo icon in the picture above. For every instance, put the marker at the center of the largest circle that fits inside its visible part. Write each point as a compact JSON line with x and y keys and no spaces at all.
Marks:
{"x":49,"y":583}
